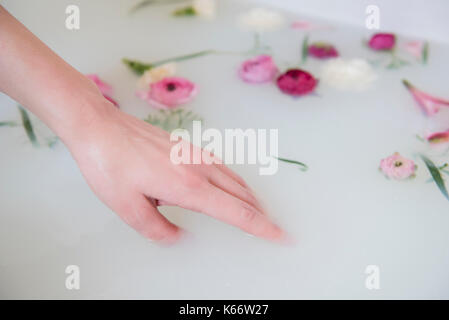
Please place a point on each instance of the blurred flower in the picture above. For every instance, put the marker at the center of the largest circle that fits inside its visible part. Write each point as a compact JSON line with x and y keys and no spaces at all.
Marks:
{"x":262,"y":20}
{"x":169,"y":92}
{"x":105,"y":89}
{"x":418,"y":49}
{"x":382,"y":41}
{"x":307,"y":26}
{"x":397,"y":167}
{"x":296,"y":82}
{"x":258,"y":70}
{"x":322,"y":50}
{"x":202,"y":8}
{"x":429,"y":104}
{"x":438,"y":137}
{"x":354,"y":74}
{"x":205,"y":8}
{"x":156,"y":74}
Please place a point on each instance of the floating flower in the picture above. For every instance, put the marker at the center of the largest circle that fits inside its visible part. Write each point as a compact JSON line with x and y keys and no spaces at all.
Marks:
{"x":169,"y":92}
{"x":397,"y":167}
{"x":105,"y":89}
{"x":438,"y":137}
{"x":382,"y":41}
{"x":262,"y":20}
{"x":205,"y":8}
{"x":429,"y":104}
{"x":354,"y":74}
{"x":307,"y":26}
{"x":202,"y":8}
{"x":322,"y":50}
{"x":156,"y":74}
{"x":260,"y":69}
{"x":418,"y":49}
{"x":296,"y":82}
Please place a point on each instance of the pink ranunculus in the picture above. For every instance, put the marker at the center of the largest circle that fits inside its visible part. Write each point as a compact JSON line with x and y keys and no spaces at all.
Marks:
{"x":415,"y":48}
{"x":382,"y":41}
{"x":438,"y":137}
{"x":105,"y":89}
{"x":296,"y":82}
{"x":169,"y":92}
{"x":429,"y":104}
{"x":397,"y":167}
{"x":260,"y":69}
{"x":322,"y":50}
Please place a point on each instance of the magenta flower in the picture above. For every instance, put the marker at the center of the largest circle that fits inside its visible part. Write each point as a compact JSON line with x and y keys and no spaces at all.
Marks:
{"x":429,"y":104}
{"x":438,"y":137}
{"x":105,"y":89}
{"x":382,"y":41}
{"x":322,"y":50}
{"x":296,"y":82}
{"x":397,"y":167}
{"x":169,"y":92}
{"x":260,"y":69}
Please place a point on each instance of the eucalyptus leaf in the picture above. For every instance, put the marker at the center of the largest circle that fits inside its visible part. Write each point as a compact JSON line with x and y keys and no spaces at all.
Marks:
{"x":425,"y":53}
{"x":27,"y":125}
{"x":302,"y":166}
{"x":436,"y":175}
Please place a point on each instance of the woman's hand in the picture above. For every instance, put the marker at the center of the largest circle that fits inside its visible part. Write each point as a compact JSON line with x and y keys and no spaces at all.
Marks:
{"x":127,"y":164}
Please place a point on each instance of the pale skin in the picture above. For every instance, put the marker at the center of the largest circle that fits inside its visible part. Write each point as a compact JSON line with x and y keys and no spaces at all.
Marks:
{"x":124,"y":160}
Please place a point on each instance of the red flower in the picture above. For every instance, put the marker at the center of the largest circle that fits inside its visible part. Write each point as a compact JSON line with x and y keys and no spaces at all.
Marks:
{"x":382,"y":41}
{"x":322,"y":50}
{"x":296,"y":82}
{"x":429,"y":104}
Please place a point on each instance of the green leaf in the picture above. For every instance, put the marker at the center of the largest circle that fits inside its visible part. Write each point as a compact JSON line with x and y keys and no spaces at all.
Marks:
{"x":185,"y":12}
{"x":425,"y":53}
{"x":26,"y":122}
{"x":436,"y":175}
{"x":137,"y":66}
{"x":170,"y":120}
{"x":8,"y":124}
{"x":302,"y":166}
{"x":145,"y":3}
{"x":305,"y":49}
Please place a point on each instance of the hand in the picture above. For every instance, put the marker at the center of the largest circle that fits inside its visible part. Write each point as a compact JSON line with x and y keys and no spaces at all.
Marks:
{"x":126,"y":162}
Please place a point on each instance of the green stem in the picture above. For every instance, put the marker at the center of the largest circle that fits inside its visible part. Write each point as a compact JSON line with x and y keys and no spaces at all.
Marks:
{"x":8,"y":124}
{"x":303,"y":166}
{"x":145,"y":3}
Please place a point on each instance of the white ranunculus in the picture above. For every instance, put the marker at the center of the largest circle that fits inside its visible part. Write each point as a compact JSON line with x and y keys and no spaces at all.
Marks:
{"x":156,"y":74}
{"x":354,"y":74}
{"x":205,"y":8}
{"x":262,"y":20}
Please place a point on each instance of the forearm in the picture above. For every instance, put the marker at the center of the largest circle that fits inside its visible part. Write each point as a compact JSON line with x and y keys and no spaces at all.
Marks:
{"x":36,"y":77}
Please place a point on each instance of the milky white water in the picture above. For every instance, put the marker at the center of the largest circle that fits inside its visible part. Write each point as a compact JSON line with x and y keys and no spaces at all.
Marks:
{"x":344,"y":214}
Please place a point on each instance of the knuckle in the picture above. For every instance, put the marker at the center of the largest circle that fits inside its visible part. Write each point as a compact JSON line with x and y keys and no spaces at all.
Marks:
{"x":248,"y":215}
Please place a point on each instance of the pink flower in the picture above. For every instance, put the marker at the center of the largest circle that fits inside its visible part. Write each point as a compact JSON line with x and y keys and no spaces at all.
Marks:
{"x":414,"y":48}
{"x":438,"y":137}
{"x":382,"y":41}
{"x":397,"y":167}
{"x":322,"y":50}
{"x":429,"y":104}
{"x":258,"y":70}
{"x":105,"y":89}
{"x":296,"y":82}
{"x":307,"y":26}
{"x":169,"y":92}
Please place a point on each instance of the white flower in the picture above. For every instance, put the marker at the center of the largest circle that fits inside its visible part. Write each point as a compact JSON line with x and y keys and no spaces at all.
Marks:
{"x":261,"y":20}
{"x":354,"y":74}
{"x":205,"y":8}
{"x":156,"y":74}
